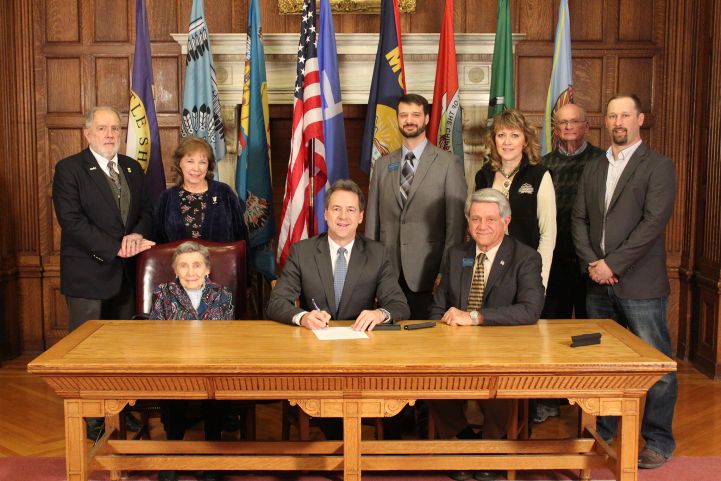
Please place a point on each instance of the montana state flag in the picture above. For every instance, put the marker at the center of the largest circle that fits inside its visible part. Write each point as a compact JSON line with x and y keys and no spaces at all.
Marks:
{"x":381,"y":135}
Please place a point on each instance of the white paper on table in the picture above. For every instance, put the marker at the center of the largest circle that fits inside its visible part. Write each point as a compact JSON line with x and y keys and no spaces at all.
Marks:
{"x":339,"y":334}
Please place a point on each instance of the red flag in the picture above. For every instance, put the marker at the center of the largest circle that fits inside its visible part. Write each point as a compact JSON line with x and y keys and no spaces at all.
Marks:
{"x":445,"y":125}
{"x":307,"y":137}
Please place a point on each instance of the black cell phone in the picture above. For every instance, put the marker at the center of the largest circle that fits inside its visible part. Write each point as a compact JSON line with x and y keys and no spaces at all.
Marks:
{"x":387,"y":327}
{"x":586,"y":339}
{"x":420,"y":325}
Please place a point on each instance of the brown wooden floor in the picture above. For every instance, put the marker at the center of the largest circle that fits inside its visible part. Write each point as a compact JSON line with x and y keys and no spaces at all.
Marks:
{"x":31,"y":416}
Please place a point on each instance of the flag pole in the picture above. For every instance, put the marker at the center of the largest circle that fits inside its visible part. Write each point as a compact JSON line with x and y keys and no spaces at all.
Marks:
{"x":311,"y":203}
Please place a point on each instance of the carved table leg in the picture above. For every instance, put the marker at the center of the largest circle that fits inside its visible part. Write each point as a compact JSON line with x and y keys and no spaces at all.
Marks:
{"x":76,"y":453}
{"x":352,"y":441}
{"x":585,"y":419}
{"x":627,"y":441}
{"x":77,"y":458}
{"x":113,"y":418}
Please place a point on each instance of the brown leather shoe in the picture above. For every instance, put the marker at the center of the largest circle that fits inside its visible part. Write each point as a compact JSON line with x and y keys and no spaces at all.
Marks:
{"x":650,"y":459}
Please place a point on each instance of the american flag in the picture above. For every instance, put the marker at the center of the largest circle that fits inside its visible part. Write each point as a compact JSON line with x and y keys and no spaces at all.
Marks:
{"x":307,"y":137}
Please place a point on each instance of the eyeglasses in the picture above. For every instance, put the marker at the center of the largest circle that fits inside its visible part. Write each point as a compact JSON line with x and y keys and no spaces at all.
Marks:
{"x":570,"y":123}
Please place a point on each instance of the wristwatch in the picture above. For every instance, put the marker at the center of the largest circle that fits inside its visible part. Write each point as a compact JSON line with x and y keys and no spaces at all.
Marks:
{"x":475,"y":318}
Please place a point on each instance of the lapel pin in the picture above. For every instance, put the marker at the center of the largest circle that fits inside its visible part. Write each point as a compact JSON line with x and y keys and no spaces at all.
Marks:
{"x":93,"y":168}
{"x":130,"y":171}
{"x":503,"y":263}
{"x":215,"y":200}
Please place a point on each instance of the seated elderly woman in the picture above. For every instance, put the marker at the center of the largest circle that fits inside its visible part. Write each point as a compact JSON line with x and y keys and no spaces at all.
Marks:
{"x":192,"y":296}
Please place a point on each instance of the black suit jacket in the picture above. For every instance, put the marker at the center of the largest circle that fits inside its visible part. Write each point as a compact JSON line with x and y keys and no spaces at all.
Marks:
{"x":635,"y":222}
{"x":91,"y":226}
{"x":513,"y":294}
{"x":308,"y":275}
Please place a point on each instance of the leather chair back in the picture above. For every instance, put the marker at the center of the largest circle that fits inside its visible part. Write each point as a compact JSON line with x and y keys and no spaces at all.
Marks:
{"x":227,"y":268}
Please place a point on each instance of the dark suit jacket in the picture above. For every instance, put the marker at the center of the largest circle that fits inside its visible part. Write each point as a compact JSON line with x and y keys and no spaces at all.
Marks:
{"x":513,"y":294}
{"x":640,"y":208}
{"x":91,"y":226}
{"x":223,"y":217}
{"x":418,"y":235}
{"x":308,"y":275}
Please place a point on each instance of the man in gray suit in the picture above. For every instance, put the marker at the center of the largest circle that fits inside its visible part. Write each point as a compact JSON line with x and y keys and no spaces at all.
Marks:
{"x":624,"y":202}
{"x":492,"y":280}
{"x":340,"y":275}
{"x":415,"y":205}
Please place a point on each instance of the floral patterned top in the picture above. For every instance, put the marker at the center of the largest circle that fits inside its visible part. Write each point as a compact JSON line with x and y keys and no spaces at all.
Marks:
{"x":192,"y":210}
{"x":171,"y":302}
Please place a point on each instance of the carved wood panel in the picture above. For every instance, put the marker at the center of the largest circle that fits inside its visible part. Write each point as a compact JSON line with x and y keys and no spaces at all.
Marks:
{"x":112,"y":79}
{"x":64,"y":94}
{"x":707,"y":269}
{"x":62,"y":21}
{"x":111,"y":21}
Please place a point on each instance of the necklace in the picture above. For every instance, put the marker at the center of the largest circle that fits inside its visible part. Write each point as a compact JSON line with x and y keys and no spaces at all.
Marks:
{"x":508,"y":178}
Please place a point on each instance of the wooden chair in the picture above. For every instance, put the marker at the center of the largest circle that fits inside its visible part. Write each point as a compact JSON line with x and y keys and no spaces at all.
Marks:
{"x":228,"y":268}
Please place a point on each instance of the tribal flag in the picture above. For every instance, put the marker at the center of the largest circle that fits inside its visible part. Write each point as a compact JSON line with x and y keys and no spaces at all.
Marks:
{"x":202,"y":116}
{"x":381,"y":135}
{"x":502,"y":95}
{"x":560,"y":90}
{"x":253,"y":173}
{"x":143,"y":141}
{"x":445,"y":125}
{"x":336,"y":157}
{"x":306,"y":166}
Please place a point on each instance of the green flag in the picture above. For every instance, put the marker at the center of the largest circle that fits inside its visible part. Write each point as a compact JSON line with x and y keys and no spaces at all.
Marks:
{"x":501,"y":96}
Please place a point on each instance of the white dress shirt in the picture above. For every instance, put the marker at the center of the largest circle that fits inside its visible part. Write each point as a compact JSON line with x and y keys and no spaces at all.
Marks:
{"x":103,"y":162}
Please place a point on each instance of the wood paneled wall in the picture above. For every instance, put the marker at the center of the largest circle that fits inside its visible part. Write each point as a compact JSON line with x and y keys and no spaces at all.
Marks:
{"x":705,"y":325}
{"x":69,"y":55}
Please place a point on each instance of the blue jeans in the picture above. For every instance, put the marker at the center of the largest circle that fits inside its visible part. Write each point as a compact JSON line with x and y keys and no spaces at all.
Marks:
{"x":647,"y":318}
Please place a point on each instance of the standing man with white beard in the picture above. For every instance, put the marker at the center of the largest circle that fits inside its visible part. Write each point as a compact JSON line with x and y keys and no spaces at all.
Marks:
{"x":104,"y":213}
{"x":415,"y":205}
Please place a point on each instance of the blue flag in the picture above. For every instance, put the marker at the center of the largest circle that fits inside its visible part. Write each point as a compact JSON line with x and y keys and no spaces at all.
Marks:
{"x":336,"y":156}
{"x":143,"y":141}
{"x":202,"y":116}
{"x":560,"y":90}
{"x":381,"y":135}
{"x":252,"y":174}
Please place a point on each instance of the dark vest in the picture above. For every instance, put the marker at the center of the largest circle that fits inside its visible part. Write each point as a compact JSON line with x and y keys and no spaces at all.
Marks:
{"x":122,"y":195}
{"x":523,"y":197}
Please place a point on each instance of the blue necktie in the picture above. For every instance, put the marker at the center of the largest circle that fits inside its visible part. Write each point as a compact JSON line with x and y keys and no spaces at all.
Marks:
{"x":341,"y":268}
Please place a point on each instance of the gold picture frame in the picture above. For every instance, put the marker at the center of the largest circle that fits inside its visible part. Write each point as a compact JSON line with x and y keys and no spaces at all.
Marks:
{"x":293,"y":7}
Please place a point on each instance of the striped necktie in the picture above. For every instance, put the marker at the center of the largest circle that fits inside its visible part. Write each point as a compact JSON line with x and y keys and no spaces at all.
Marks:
{"x":407,"y":173}
{"x":341,"y":268}
{"x":478,"y":284}
{"x":114,"y":176}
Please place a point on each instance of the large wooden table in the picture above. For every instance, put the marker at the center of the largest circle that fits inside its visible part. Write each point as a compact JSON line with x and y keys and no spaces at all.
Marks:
{"x":105,"y":365}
